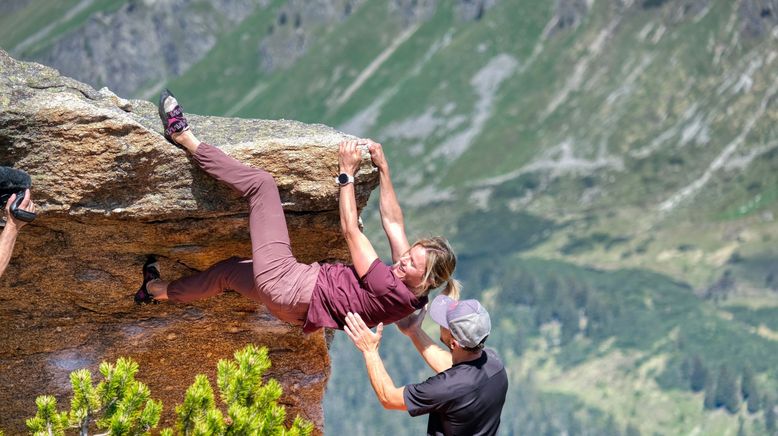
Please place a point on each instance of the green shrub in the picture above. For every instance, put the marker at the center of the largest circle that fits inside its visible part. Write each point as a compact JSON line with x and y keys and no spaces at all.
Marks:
{"x":121,"y":405}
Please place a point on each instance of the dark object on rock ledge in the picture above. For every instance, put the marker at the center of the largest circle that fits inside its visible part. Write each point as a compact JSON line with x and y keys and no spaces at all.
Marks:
{"x":15,"y":181}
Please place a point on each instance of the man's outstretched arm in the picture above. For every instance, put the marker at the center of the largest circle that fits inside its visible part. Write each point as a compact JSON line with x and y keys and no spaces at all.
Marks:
{"x":436,"y":357}
{"x":7,"y":242}
{"x":390,"y":396}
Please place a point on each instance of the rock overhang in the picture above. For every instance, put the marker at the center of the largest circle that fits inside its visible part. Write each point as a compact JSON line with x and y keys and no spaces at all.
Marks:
{"x":111,"y":190}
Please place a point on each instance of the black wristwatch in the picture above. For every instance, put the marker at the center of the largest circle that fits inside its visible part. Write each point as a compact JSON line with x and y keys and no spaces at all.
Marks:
{"x":344,"y":179}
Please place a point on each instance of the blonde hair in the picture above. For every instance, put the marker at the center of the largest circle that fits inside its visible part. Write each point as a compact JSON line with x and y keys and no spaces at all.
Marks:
{"x":441,"y":262}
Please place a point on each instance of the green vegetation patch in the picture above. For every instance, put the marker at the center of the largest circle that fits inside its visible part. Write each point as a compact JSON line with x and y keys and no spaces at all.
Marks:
{"x":767,"y":316}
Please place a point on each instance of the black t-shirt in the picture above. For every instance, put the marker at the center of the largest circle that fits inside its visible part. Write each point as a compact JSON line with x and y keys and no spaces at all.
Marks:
{"x":465,"y":399}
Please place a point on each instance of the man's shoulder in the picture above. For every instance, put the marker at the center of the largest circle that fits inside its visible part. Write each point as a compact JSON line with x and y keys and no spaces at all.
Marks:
{"x":462,"y":380}
{"x":470,"y":372}
{"x":492,"y":354}
{"x":493,"y":360}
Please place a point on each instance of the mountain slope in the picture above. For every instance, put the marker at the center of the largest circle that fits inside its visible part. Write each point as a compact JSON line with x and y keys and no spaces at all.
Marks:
{"x":624,"y":147}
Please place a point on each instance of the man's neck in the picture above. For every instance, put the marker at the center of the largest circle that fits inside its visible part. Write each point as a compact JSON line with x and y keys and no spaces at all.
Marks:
{"x":459,"y":355}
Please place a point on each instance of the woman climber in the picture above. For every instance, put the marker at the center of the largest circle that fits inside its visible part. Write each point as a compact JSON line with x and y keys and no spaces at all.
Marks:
{"x":310,"y":295}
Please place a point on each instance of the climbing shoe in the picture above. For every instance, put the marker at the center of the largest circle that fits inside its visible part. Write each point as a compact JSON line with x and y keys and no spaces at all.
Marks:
{"x":150,"y":272}
{"x":171,"y":114}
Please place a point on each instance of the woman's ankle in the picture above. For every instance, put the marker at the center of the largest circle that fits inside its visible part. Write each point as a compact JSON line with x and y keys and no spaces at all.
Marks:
{"x":157,"y":288}
{"x":188,"y":140}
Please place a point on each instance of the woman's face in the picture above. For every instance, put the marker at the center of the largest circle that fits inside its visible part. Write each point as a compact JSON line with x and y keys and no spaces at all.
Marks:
{"x":410,"y":268}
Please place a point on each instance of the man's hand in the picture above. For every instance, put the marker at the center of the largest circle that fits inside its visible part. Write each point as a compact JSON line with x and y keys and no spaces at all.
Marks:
{"x":377,"y":155}
{"x":412,"y":322}
{"x":349,"y":157}
{"x":362,"y":337}
{"x":14,"y":224}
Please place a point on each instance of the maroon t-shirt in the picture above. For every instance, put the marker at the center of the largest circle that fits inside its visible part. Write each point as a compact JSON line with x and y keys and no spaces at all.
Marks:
{"x":377,"y":297}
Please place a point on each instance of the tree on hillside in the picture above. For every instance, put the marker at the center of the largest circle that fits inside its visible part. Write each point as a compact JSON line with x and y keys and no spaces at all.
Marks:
{"x":747,"y":382}
{"x":699,"y":375}
{"x":599,"y":317}
{"x":519,"y":287}
{"x":710,"y":394}
{"x":574,"y":426}
{"x":631,"y":430}
{"x":569,"y":317}
{"x":753,"y":404}
{"x":769,"y":415}
{"x":553,"y":291}
{"x":727,"y":392}
{"x":720,"y":290}
{"x":611,"y":429}
{"x":741,"y":429}
{"x":771,"y":281}
{"x":750,"y":390}
{"x":580,"y":292}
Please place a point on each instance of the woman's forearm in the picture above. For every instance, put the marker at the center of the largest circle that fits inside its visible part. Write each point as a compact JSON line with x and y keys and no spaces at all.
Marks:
{"x":436,"y":357}
{"x":362,"y":252}
{"x":391,"y":213}
{"x":349,"y":217}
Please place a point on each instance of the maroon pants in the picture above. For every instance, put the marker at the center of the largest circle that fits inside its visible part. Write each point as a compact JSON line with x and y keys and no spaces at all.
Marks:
{"x":273,"y":276}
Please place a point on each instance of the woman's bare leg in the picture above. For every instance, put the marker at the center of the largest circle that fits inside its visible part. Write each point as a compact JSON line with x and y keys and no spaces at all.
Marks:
{"x":158,"y":288}
{"x":187,"y":139}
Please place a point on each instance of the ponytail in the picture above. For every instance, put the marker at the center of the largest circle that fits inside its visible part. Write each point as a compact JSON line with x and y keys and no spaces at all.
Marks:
{"x":453,"y":288}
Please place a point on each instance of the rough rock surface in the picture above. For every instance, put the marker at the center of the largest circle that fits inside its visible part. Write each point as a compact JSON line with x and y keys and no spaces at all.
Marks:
{"x":111,"y":190}
{"x":759,"y":17}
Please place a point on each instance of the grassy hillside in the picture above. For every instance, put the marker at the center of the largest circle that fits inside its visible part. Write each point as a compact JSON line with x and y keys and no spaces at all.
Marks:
{"x":38,"y":24}
{"x":605,"y":170}
{"x":622,"y":355}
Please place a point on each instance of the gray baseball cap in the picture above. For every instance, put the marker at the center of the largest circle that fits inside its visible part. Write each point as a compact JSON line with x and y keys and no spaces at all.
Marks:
{"x":468,"y":321}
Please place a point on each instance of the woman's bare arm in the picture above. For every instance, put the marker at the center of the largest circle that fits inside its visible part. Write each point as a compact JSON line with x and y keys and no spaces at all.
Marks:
{"x":391,"y":213}
{"x":362,"y":252}
{"x":436,"y":357}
